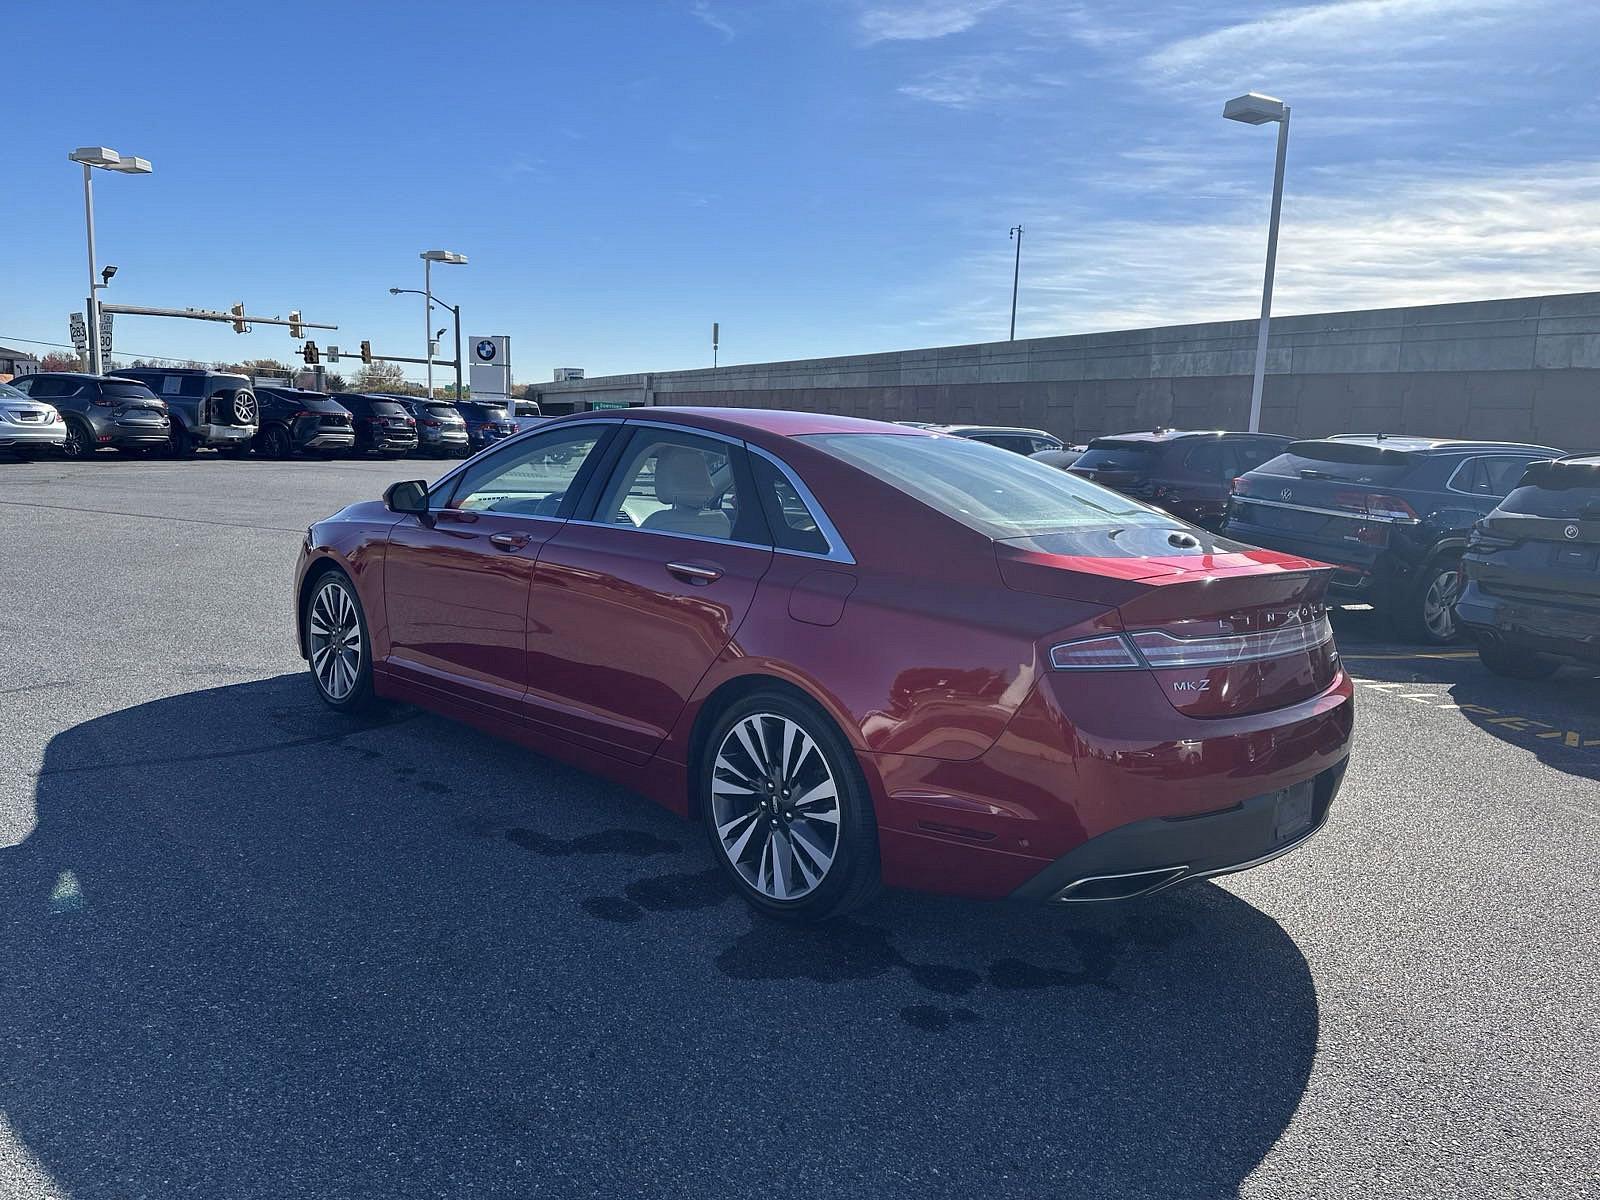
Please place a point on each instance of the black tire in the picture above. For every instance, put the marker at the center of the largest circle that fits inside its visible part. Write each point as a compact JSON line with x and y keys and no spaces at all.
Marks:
{"x":80,"y":443}
{"x":1425,"y":610}
{"x":180,"y":442}
{"x":1516,"y":663}
{"x":276,"y":443}
{"x":328,"y":678}
{"x":851,"y":878}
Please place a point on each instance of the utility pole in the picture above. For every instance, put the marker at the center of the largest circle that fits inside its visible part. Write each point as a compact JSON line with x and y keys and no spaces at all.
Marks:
{"x":716,"y":331}
{"x":1016,"y":274}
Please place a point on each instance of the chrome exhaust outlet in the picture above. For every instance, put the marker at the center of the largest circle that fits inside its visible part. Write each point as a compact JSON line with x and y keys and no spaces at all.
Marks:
{"x":1094,"y":888}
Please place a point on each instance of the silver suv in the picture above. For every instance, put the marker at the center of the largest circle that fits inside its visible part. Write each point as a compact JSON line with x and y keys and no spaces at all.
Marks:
{"x":208,"y":408}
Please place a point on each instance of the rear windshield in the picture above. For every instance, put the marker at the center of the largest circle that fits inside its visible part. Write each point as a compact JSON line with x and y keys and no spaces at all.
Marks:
{"x":444,"y":411}
{"x":126,"y":390}
{"x":7,"y":392}
{"x":994,"y":491}
{"x":1344,"y":462}
{"x":484,"y":412}
{"x":1106,"y":455}
{"x":387,"y":408}
{"x":1557,"y":489}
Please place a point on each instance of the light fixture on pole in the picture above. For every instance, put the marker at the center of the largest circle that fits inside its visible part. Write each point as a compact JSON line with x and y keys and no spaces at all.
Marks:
{"x":1252,"y":108}
{"x":1016,"y":274}
{"x":105,"y":159}
{"x":429,"y":257}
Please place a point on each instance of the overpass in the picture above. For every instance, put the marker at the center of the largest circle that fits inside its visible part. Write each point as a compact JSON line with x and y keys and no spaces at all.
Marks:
{"x":1526,"y":369}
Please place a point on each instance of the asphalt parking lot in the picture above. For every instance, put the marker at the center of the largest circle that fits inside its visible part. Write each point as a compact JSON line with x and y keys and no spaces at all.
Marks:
{"x":248,"y":948}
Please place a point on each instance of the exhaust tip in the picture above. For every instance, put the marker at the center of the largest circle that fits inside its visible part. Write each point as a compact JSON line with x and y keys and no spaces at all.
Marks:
{"x":1119,"y":887}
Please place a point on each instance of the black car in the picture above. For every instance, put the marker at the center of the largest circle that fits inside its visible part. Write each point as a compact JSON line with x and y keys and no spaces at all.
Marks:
{"x":1189,"y":473}
{"x":486,"y":423}
{"x":293,"y":420}
{"x":100,"y":411}
{"x":1532,"y":598}
{"x":1392,"y":513}
{"x":208,"y":408}
{"x":382,"y":425}
{"x":1060,"y":459}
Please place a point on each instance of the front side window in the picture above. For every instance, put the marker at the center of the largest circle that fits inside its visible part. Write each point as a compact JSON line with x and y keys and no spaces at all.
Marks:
{"x":528,"y":479}
{"x":670,"y":482}
{"x":1001,"y":495}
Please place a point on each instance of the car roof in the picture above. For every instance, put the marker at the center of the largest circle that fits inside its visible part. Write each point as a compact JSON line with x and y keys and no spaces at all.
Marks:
{"x":1413,"y":444}
{"x":1162,"y":436}
{"x":778,"y":421}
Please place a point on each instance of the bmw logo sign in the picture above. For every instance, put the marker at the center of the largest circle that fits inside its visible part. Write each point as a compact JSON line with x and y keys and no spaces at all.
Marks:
{"x":486,"y":350}
{"x":1572,"y":531}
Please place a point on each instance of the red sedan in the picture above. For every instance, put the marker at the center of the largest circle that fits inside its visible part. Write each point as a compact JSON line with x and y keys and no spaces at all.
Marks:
{"x":860,"y":653}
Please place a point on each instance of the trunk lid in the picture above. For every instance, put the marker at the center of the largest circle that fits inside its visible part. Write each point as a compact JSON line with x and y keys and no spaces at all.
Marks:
{"x":1543,"y":542}
{"x":1226,"y":630}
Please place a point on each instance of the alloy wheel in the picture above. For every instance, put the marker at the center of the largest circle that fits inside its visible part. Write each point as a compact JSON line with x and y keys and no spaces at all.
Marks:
{"x":77,"y":444}
{"x":1439,"y":603}
{"x":336,"y":646}
{"x":775,"y":804}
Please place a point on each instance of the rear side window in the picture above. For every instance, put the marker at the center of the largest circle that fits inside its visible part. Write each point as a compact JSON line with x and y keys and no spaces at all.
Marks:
{"x":1209,"y":459}
{"x":794,"y":526}
{"x":1247,"y":456}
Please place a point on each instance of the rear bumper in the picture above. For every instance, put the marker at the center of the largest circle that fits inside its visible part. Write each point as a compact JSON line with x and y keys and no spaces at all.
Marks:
{"x":1540,"y":628}
{"x":329,"y":441}
{"x":1356,"y":577}
{"x":1152,"y":855}
{"x":223,"y":435}
{"x":54,"y":434}
{"x":1086,"y":757}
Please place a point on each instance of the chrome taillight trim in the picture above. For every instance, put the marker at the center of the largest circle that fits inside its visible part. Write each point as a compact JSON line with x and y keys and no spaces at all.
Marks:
{"x":1156,"y":649}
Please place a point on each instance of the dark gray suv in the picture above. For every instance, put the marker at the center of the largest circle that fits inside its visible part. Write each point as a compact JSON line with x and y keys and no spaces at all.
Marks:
{"x":100,"y":411}
{"x":208,"y":408}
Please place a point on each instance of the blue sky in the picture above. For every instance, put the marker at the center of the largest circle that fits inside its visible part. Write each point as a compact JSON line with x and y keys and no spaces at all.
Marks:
{"x":820,"y":176}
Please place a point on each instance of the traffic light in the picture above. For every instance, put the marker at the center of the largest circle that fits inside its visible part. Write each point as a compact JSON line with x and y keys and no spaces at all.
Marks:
{"x":239,"y":325}
{"x":294,"y":325}
{"x":366,"y":352}
{"x":309,"y":353}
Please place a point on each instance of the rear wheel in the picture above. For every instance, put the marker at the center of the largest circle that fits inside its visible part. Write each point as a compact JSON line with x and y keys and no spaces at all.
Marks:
{"x":1515,"y":663}
{"x":180,"y":442}
{"x":787,"y":810}
{"x":339,"y":650}
{"x":80,"y":440}
{"x":1426,"y":610}
{"x":275,"y":442}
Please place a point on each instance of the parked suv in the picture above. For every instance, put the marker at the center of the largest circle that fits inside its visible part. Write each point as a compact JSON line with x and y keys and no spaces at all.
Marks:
{"x":440,"y":429}
{"x":486,"y":423}
{"x":382,"y":424}
{"x":1187,"y":473}
{"x":208,"y":408}
{"x":1532,"y":572}
{"x":294,"y":420}
{"x":100,"y":411}
{"x":1392,"y":513}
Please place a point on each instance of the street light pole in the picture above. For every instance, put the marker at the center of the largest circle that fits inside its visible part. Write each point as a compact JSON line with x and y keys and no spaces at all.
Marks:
{"x":429,"y":257}
{"x":93,"y":302}
{"x":1255,"y":109}
{"x":1016,"y":274}
{"x":455,"y":312}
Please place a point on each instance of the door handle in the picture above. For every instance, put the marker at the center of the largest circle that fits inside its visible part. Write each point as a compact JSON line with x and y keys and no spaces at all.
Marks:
{"x":695,"y":572}
{"x":509,"y":541}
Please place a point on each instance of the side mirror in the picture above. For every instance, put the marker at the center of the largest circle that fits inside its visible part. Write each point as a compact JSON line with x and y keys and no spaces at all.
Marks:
{"x":409,"y":497}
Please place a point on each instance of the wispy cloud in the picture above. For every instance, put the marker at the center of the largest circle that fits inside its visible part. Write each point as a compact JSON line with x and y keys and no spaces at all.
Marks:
{"x":702,"y":11}
{"x":1393,"y":240}
{"x":922,"y":22}
{"x":981,"y":79}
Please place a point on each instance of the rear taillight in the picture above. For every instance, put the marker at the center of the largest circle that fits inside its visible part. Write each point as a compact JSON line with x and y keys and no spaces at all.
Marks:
{"x":1239,"y":487}
{"x":306,"y":412}
{"x":1376,"y":504}
{"x":1160,"y":650}
{"x":105,"y":402}
{"x":1109,"y":653}
{"x":430,"y":423}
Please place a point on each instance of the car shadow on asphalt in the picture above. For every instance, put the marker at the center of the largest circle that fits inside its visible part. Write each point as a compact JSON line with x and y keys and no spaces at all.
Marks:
{"x":255,"y":948}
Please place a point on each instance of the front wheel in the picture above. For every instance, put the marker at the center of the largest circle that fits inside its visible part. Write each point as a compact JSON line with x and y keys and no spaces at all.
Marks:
{"x":275,"y":442}
{"x":339,"y":649}
{"x":787,"y":810}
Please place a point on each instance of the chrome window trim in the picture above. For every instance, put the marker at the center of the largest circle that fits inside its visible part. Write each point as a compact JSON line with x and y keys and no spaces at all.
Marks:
{"x":1450,"y":484}
{"x":837,"y":550}
{"x":1348,"y":513}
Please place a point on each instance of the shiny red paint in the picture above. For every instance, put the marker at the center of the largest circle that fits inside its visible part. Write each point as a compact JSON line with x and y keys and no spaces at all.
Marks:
{"x":930,"y":652}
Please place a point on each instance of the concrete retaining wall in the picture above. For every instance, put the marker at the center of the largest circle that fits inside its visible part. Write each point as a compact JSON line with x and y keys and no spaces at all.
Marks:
{"x":1526,"y":369}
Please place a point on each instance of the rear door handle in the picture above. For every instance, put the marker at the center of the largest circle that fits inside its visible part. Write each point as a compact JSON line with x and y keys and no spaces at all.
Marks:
{"x":695,"y":572}
{"x":509,"y":541}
